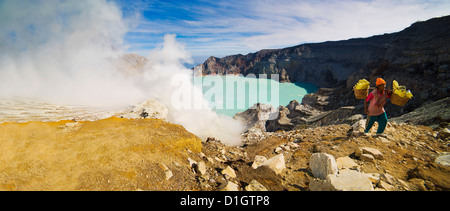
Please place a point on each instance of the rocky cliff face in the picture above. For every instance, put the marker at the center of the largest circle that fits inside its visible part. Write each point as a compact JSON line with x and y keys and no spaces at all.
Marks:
{"x":417,"y":57}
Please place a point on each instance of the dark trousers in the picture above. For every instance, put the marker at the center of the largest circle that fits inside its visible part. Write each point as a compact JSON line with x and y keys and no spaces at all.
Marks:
{"x":382,"y":122}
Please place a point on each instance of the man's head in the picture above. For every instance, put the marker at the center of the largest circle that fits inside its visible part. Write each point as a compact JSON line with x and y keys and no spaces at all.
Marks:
{"x":381,"y":84}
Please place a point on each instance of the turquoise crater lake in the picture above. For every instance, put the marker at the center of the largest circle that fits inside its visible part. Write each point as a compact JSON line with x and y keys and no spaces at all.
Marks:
{"x":230,"y":94}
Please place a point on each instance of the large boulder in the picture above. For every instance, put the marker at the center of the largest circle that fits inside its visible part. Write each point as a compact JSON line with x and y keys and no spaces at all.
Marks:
{"x":282,"y":122}
{"x":300,"y":110}
{"x":276,"y":164}
{"x":254,"y":118}
{"x":371,"y":151}
{"x":444,"y":159}
{"x":358,"y":128}
{"x":346,"y":180}
{"x":322,"y":164}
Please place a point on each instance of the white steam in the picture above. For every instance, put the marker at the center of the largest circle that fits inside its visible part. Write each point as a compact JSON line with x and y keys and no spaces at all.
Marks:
{"x":61,"y":51}
{"x":165,"y":64}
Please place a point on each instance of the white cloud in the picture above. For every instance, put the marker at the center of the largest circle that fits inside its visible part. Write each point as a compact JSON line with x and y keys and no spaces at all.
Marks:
{"x":300,"y":22}
{"x":225,"y":27}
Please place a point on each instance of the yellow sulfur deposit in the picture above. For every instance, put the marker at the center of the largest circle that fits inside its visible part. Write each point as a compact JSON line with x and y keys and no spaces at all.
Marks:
{"x":401,"y":90}
{"x":362,"y":84}
{"x":108,"y":154}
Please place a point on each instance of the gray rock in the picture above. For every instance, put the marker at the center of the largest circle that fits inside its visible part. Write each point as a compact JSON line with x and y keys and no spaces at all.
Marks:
{"x":300,"y":110}
{"x":374,"y":177}
{"x":386,"y":186}
{"x":346,"y":163}
{"x":349,"y":180}
{"x":254,"y":118}
{"x":444,"y":134}
{"x":276,"y":164}
{"x":346,"y":180}
{"x":229,"y":172}
{"x":444,"y":160}
{"x":367,"y":157}
{"x":201,"y":167}
{"x":427,"y":114}
{"x":259,"y":161}
{"x":358,"y":128}
{"x":229,"y":186}
{"x":367,"y":150}
{"x":322,"y":164}
{"x":255,"y":186}
{"x":281,"y":122}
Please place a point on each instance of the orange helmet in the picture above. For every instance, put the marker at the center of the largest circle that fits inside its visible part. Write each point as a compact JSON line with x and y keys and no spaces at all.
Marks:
{"x":380,"y":81}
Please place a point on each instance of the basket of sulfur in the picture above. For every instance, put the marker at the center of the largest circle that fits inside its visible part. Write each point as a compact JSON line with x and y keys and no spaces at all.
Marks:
{"x":400,"y":96}
{"x":361,"y":89}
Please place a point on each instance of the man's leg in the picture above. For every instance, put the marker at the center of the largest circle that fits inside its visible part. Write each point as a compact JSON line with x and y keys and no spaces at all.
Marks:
{"x":369,"y":123}
{"x":382,"y":122}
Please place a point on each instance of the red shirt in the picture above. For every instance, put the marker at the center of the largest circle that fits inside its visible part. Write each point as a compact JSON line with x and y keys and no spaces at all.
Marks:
{"x":376,"y":106}
{"x":370,"y":96}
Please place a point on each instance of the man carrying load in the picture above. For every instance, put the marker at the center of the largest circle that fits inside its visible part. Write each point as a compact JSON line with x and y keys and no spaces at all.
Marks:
{"x":375,"y":110}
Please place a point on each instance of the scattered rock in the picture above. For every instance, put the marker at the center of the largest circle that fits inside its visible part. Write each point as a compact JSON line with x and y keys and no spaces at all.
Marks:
{"x":444,"y":134}
{"x":281,"y":122}
{"x":229,"y":186}
{"x":168,"y":173}
{"x":444,"y":160}
{"x":349,"y":180}
{"x":367,"y":150}
{"x":437,"y":174}
{"x":358,"y":128}
{"x":374,"y":177}
{"x":259,"y":161}
{"x":383,"y":140}
{"x":229,"y":172}
{"x":387,"y":178}
{"x":255,"y":186}
{"x":254,"y":118}
{"x":346,"y":180}
{"x":386,"y":186}
{"x":417,"y":184}
{"x":276,"y":164}
{"x":192,"y":163}
{"x":278,"y":150}
{"x":346,"y":163}
{"x":201,"y":167}
{"x":367,"y":157}
{"x":322,"y":164}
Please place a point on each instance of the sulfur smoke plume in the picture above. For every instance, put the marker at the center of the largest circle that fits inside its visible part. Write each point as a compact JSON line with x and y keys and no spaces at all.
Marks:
{"x":62,"y":51}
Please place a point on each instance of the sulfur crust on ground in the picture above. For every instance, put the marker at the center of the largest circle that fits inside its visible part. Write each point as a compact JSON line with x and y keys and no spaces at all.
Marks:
{"x":109,"y":154}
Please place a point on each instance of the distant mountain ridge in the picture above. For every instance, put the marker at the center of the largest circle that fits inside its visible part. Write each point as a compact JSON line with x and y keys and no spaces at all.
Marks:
{"x":328,"y":63}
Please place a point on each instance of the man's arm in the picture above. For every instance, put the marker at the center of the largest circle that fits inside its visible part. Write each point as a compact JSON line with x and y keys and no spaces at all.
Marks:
{"x":366,"y":108}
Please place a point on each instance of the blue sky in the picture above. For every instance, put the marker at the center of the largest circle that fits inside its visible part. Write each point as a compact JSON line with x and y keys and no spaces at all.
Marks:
{"x":225,"y":27}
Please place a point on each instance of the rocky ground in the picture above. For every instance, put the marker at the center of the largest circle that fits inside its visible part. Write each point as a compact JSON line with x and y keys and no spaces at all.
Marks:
{"x":151,"y":154}
{"x":403,"y":160}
